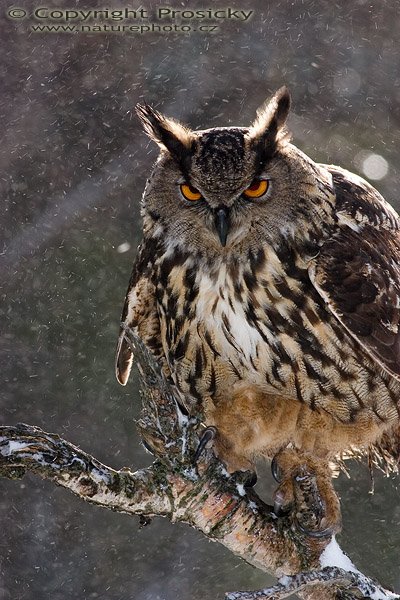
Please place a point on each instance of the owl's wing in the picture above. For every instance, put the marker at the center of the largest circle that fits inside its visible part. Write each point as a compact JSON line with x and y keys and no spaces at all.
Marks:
{"x":357,"y":271}
{"x":139,"y":314}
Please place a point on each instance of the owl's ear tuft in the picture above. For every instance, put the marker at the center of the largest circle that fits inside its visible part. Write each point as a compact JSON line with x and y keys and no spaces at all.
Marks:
{"x":166,"y":132}
{"x":269,"y":126}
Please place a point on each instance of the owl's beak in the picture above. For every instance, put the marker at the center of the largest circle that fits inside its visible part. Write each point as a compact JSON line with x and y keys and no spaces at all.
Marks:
{"x":222,"y":223}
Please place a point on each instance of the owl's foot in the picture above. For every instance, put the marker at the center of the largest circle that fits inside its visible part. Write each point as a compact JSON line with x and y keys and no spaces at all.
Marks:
{"x":305,"y":490}
{"x":241,"y":470}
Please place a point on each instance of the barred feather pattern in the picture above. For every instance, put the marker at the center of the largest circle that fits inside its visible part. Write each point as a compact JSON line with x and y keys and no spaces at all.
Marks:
{"x":262,"y":322}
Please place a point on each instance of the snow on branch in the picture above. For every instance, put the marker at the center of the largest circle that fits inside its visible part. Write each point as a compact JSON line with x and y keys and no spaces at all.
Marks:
{"x":202,"y":495}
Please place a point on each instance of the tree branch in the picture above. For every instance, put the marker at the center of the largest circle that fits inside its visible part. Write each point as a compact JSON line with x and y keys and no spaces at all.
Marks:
{"x":203,"y":496}
{"x":24,"y":447}
{"x":329,"y":576}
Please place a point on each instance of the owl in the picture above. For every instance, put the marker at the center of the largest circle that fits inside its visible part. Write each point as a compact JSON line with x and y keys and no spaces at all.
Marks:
{"x":268,"y":287}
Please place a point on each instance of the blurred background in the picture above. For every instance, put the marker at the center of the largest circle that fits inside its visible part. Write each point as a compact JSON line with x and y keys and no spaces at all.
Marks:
{"x":73,"y":163}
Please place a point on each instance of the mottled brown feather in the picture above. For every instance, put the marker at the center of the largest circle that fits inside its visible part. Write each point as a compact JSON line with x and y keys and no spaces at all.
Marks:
{"x":358,"y":273}
{"x":139,"y":312}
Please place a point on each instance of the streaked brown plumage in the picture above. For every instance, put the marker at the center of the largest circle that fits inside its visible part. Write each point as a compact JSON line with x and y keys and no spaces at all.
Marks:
{"x":276,"y":316}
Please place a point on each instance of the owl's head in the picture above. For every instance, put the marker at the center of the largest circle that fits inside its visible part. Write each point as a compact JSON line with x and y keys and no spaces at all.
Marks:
{"x":225,"y":187}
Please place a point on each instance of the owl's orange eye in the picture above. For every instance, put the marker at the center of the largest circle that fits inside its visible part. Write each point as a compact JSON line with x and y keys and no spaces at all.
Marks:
{"x":257,"y":188}
{"x":189,"y":192}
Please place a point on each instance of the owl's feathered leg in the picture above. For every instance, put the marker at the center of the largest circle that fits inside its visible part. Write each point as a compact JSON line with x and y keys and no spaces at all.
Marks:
{"x":305,"y":488}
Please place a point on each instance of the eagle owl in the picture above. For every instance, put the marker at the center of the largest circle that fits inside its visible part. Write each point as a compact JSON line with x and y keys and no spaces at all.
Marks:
{"x":268,"y":286}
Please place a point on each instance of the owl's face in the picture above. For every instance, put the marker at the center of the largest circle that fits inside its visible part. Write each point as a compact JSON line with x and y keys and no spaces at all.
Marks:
{"x":223,"y":188}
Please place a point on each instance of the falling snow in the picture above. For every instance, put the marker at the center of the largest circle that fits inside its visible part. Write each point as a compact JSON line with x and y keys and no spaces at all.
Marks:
{"x":74,"y":163}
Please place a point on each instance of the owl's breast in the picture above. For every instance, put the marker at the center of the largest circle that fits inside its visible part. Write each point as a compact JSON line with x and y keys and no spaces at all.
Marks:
{"x":268,"y":329}
{"x":210,"y":342}
{"x":221,"y":313}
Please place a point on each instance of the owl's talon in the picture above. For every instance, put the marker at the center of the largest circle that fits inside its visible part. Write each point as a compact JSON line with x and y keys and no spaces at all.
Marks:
{"x":315,"y":533}
{"x":247,"y":479}
{"x":276,"y":470}
{"x":207,"y":436}
{"x":251,"y":480}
